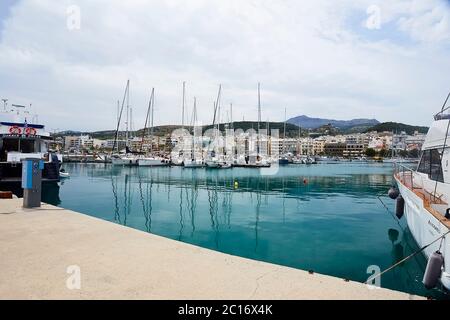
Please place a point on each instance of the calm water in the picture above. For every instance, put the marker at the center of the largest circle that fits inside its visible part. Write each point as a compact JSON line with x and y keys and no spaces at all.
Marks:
{"x":333,"y":225}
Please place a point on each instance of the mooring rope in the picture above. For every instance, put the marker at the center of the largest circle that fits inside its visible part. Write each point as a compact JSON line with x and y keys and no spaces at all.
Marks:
{"x":407,"y":258}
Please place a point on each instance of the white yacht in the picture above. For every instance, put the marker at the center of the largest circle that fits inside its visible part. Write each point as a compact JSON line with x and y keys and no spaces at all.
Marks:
{"x":424,"y":200}
{"x":124,"y":160}
{"x":152,"y":162}
{"x":193,"y":163}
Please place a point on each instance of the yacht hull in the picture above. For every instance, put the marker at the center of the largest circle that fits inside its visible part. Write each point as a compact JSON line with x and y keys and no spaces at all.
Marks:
{"x":426,"y":228}
{"x":124,"y":162}
{"x":152,"y":163}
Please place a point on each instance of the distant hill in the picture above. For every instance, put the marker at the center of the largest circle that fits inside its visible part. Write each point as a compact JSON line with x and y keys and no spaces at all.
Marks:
{"x":397,"y":127}
{"x":313,"y":123}
{"x":291,"y":130}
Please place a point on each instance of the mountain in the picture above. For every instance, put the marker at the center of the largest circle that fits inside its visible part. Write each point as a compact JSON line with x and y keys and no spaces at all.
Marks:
{"x":313,"y":123}
{"x":397,"y":127}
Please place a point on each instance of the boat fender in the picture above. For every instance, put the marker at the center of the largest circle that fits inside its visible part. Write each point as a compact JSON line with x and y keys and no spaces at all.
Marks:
{"x":400,"y":207}
{"x":393,"y":193}
{"x":447,"y":213}
{"x":433,"y":270}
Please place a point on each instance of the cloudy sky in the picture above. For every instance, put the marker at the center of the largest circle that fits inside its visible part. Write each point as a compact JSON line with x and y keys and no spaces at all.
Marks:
{"x":387,"y":60}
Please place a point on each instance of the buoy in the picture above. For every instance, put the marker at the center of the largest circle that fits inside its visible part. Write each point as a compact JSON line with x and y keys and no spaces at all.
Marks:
{"x":236,"y":185}
{"x":400,"y":207}
{"x":433,"y":270}
{"x":305,"y":181}
{"x":393,"y":193}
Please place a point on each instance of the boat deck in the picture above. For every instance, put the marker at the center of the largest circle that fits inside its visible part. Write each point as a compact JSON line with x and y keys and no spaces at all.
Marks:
{"x":430,"y":202}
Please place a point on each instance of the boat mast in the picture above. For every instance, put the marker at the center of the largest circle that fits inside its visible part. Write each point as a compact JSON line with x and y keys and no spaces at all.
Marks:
{"x":120,"y":117}
{"x":259,"y":120}
{"x":194,"y":121}
{"x":284,"y":131}
{"x":231,"y":117}
{"x":128,"y":115}
{"x":183,"y":104}
{"x":146,"y":118}
{"x":152,"y":121}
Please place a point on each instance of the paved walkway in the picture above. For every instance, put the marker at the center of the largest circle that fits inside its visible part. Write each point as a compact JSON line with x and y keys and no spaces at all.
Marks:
{"x":38,"y":245}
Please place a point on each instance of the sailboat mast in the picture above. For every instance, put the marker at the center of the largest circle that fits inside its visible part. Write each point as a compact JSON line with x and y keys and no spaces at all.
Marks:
{"x":152,"y":121}
{"x":259,"y":120}
{"x":284,"y":131}
{"x":128,"y":115}
{"x":194,"y":121}
{"x":147,"y":117}
{"x":183,"y":104}
{"x":231,"y":116}
{"x":119,"y":118}
{"x":259,"y":104}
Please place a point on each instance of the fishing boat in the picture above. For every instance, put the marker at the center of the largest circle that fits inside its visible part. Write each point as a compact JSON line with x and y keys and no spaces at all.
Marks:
{"x":424,"y":195}
{"x":22,"y":137}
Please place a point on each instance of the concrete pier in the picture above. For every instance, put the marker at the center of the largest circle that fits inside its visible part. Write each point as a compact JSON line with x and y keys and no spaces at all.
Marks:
{"x":37,"y":246}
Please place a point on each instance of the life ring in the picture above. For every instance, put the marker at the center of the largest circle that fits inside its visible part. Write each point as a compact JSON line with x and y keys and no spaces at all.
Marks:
{"x":30,"y":131}
{"x":15,"y":130}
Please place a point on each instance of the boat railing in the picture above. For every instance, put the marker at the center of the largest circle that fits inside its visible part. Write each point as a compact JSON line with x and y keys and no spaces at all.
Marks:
{"x":408,"y":176}
{"x":414,"y":182}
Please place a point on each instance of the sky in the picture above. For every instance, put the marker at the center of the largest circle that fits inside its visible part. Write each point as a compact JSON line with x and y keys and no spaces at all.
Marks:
{"x":345,"y":59}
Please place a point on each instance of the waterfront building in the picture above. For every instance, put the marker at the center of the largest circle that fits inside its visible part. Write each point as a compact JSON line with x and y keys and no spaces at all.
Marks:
{"x":335,"y":149}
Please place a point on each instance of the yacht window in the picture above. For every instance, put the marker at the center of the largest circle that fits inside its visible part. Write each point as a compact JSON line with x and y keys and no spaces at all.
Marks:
{"x":425,"y":162}
{"x":431,"y":164}
{"x":436,"y":166}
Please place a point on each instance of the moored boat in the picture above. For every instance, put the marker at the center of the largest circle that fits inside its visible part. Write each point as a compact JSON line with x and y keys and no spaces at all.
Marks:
{"x":424,"y":200}
{"x":21,"y":138}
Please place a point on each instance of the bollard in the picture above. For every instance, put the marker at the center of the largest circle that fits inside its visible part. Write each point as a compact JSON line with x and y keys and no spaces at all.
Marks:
{"x":32,"y":182}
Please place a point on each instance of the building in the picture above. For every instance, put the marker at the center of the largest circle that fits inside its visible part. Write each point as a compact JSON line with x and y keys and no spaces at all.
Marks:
{"x":353,"y":150}
{"x":335,"y":149}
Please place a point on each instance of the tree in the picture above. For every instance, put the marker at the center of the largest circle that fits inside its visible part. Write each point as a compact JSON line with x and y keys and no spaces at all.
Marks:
{"x":414,"y":153}
{"x":370,"y":152}
{"x":383,"y":153}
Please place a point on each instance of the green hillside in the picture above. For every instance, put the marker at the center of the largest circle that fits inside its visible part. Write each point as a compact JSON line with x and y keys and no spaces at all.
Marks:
{"x":397,"y":127}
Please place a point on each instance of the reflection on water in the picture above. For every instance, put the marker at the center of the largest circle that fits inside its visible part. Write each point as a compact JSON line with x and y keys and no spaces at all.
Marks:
{"x":325,"y":218}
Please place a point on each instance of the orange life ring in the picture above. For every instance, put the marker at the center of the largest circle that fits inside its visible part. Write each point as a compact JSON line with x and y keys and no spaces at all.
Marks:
{"x":15,"y":130}
{"x":30,"y":131}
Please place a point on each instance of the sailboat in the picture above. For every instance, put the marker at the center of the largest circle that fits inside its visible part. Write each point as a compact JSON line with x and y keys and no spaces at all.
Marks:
{"x":151,"y":160}
{"x":193,"y":161}
{"x":127,"y":158}
{"x":212,"y":161}
{"x":425,"y":197}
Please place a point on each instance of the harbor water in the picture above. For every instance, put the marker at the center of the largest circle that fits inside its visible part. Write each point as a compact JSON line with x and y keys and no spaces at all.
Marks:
{"x":326,"y":217}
